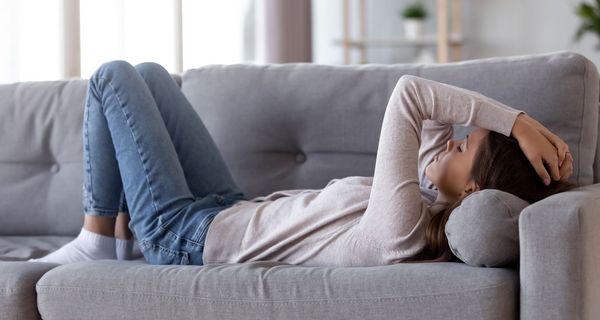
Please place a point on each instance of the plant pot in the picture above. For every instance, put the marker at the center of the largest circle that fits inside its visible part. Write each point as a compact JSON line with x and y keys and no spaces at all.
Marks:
{"x":413,"y":28}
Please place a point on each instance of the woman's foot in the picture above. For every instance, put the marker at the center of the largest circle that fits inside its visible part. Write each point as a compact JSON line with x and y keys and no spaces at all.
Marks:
{"x":124,"y":237}
{"x":124,"y":249}
{"x":87,"y":246}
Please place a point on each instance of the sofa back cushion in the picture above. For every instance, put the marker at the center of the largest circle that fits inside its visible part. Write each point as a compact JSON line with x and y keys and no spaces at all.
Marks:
{"x":280,"y":126}
{"x":41,"y":157}
{"x":41,"y":160}
{"x":299,"y":125}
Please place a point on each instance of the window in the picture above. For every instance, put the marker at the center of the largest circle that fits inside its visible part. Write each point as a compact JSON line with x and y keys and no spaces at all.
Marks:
{"x":132,"y":30}
{"x":31,"y":40}
{"x":178,"y":34}
{"x":217,"y":32}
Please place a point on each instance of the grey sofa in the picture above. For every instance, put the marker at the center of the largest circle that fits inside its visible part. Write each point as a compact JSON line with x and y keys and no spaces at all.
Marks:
{"x":298,"y":126}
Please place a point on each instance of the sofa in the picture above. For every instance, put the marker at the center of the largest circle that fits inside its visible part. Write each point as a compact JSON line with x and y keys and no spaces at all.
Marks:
{"x":293,"y":126}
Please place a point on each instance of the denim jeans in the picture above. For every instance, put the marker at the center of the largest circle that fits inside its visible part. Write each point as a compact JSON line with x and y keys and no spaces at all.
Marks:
{"x":147,"y":152}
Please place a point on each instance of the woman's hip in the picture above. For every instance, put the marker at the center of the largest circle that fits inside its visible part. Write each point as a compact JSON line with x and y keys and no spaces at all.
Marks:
{"x":179,"y":238}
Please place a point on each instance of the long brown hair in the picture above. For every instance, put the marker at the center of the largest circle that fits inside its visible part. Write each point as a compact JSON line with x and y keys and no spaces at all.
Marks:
{"x":499,"y":164}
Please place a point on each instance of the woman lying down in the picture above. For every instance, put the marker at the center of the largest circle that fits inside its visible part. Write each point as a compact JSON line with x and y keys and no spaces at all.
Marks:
{"x":153,"y":172}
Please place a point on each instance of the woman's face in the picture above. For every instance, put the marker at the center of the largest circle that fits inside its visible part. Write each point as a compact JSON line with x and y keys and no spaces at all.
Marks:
{"x":450,"y":171}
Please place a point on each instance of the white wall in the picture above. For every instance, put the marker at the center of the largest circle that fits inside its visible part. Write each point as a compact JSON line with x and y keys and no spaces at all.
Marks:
{"x":491,"y":28}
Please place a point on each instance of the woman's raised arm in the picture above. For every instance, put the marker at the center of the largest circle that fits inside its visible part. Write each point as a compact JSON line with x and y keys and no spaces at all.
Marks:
{"x":395,"y":216}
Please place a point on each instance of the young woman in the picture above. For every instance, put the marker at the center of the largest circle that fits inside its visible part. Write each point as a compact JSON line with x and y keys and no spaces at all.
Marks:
{"x":149,"y":158}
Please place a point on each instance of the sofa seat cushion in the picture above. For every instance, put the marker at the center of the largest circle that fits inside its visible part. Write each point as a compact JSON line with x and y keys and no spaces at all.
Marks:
{"x":276,"y":290}
{"x":15,"y":248}
{"x":18,"y":298}
{"x":22,"y":248}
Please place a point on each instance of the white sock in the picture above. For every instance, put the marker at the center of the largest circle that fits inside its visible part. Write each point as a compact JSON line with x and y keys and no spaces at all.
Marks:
{"x":124,"y":249}
{"x":87,"y":246}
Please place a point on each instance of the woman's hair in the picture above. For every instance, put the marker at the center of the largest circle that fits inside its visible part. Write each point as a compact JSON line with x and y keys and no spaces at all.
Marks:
{"x":499,"y":164}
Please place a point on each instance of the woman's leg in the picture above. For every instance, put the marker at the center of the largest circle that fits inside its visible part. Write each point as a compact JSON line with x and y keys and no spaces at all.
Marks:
{"x":204,"y":168}
{"x":100,"y":225}
{"x":123,"y":237}
{"x":121,"y":230}
{"x":101,"y":194}
{"x":144,"y":154}
{"x":163,"y":210}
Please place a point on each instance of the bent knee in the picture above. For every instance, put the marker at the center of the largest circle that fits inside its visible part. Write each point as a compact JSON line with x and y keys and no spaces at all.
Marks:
{"x":151,"y":68}
{"x":111,"y":68}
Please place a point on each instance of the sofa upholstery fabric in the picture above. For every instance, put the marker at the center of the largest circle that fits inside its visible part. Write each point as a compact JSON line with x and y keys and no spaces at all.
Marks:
{"x":41,"y":163}
{"x":299,"y":125}
{"x":560,"y":255}
{"x":295,"y":126}
{"x":274,"y":290}
{"x":18,"y":298}
{"x":484,"y":230}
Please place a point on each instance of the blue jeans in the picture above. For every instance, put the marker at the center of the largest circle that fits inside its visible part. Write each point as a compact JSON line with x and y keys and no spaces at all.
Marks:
{"x":147,"y":152}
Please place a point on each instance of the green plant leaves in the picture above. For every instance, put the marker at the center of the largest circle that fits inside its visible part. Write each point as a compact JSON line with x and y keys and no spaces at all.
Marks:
{"x":416,"y":10}
{"x":590,"y":16}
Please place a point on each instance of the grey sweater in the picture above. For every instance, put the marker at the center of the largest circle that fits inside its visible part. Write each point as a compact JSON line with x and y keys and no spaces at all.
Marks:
{"x":356,"y":220}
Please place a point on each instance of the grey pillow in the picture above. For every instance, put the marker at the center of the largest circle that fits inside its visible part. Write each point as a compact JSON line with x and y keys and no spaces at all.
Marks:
{"x":484,"y":230}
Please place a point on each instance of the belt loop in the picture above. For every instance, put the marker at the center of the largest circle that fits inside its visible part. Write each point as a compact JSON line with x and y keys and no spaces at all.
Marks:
{"x":219,"y":198}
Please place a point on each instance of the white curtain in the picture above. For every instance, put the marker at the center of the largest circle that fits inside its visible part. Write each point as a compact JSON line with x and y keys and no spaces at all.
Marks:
{"x":283,"y":31}
{"x":30,"y":40}
{"x":56,"y":39}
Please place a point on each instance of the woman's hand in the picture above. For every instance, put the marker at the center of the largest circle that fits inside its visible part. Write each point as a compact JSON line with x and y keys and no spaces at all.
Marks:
{"x":542,"y":146}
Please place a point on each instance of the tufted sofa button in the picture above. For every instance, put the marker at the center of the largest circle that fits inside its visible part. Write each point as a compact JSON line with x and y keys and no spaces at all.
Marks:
{"x":300,"y":157}
{"x":54,"y":168}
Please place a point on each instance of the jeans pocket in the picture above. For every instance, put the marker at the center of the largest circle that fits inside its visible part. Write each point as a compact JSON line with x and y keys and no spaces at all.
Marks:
{"x":161,"y":255}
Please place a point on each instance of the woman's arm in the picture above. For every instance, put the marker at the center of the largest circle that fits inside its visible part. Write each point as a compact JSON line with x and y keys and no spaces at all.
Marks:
{"x":395,"y":215}
{"x":434,"y":136}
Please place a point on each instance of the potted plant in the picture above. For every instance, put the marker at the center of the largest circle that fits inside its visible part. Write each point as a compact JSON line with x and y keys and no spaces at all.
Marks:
{"x":413,"y":15}
{"x":590,"y":16}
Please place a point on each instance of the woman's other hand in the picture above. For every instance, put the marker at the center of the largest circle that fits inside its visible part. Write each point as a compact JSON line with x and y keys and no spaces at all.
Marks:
{"x":567,"y":167}
{"x":542,"y":146}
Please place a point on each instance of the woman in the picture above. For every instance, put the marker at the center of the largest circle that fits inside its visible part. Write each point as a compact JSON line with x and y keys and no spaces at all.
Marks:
{"x":149,"y":157}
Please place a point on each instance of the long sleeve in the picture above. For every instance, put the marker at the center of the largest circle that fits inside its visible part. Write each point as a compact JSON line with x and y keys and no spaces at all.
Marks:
{"x":433,"y":140}
{"x":396,"y":216}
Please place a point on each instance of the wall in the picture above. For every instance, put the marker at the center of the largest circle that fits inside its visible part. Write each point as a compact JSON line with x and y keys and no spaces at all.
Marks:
{"x":491,"y":28}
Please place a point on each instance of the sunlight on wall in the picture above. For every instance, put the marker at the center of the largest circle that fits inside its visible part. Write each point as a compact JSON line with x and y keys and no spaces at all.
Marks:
{"x":132,"y":30}
{"x":31,"y":35}
{"x":213,"y":31}
{"x":30,"y":40}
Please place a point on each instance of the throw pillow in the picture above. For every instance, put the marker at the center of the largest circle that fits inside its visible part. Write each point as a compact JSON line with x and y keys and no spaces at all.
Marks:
{"x":484,"y":229}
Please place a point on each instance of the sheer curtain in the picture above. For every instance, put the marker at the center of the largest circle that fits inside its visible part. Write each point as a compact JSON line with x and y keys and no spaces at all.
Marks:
{"x":57,"y":39}
{"x":132,"y":30}
{"x":179,"y":34}
{"x":30,"y":40}
{"x":283,"y":31}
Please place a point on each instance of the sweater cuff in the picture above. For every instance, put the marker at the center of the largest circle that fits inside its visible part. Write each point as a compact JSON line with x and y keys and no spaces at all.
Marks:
{"x":515,"y":114}
{"x":504,"y":120}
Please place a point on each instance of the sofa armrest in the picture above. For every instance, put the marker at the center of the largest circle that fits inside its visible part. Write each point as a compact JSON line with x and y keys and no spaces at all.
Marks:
{"x":560,"y":256}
